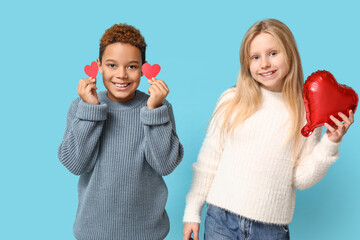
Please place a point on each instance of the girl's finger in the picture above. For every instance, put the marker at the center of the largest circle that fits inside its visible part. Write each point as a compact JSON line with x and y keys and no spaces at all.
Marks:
{"x":345,"y":119}
{"x":330,"y":128}
{"x":336,"y":121}
{"x":351,"y":116}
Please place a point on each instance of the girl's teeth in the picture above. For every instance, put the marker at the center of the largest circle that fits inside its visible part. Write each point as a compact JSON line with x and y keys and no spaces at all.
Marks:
{"x":267,"y":74}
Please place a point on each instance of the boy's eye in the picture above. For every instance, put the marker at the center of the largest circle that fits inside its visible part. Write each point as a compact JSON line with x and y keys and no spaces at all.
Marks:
{"x":132,"y":67}
{"x":111,"y":65}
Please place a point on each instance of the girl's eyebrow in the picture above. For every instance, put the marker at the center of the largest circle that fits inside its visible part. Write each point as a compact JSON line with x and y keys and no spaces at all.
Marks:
{"x":267,"y":50}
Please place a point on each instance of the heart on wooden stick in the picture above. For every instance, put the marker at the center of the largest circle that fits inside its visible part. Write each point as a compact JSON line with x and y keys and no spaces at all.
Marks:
{"x":324,"y":96}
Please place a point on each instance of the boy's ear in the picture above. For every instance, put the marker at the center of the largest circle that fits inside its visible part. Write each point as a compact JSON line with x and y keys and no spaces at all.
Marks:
{"x":99,"y":65}
{"x":142,"y":74}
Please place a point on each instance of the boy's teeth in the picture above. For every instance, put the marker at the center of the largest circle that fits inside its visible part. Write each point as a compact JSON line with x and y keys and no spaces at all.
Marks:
{"x":121,"y":85}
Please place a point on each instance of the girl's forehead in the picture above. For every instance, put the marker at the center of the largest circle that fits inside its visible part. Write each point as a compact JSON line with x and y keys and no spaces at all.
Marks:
{"x":264,"y":41}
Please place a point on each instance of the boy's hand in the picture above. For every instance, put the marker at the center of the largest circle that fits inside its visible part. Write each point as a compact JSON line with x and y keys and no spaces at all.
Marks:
{"x":191,"y":228}
{"x":158,"y":91}
{"x":336,"y":133}
{"x":87,"y":90}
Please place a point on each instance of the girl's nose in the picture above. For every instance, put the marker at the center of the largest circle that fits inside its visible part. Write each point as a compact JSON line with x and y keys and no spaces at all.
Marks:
{"x":265,"y":63}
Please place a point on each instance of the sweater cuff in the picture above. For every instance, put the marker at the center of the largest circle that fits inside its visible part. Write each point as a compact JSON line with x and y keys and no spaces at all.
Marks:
{"x":193,"y":213}
{"x":329,"y":146}
{"x":155,"y":116}
{"x":92,"y":112}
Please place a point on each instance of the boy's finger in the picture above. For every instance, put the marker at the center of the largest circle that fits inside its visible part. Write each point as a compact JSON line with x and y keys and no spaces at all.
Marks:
{"x":160,"y":86}
{"x":90,"y":80}
{"x":87,"y":81}
{"x":150,"y":81}
{"x":163,"y":84}
{"x":155,"y":88}
{"x":90,"y":87}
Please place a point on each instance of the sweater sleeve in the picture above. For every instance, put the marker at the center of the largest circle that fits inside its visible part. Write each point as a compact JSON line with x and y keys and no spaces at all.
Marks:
{"x":315,"y":159}
{"x":204,"y":169}
{"x":80,"y":145}
{"x":163,"y":150}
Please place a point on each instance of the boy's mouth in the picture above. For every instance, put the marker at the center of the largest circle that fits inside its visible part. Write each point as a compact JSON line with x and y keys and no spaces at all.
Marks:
{"x":121,"y":86}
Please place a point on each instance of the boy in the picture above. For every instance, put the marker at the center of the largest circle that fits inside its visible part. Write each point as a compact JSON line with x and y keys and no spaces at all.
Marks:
{"x":121,"y":142}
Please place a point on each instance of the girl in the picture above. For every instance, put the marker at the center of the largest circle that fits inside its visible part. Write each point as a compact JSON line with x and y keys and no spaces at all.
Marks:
{"x":254,"y":158}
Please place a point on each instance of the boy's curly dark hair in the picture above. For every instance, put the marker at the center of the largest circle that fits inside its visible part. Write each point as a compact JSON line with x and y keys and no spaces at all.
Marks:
{"x":123,"y":33}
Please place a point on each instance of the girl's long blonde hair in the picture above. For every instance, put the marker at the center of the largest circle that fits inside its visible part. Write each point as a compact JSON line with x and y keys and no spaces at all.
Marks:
{"x":247,"y":97}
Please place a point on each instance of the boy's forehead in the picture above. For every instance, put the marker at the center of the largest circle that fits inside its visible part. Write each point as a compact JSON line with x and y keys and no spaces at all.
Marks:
{"x":122,"y":51}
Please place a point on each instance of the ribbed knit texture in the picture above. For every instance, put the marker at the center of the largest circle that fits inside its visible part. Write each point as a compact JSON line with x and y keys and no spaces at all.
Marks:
{"x":121,"y":151}
{"x":254,"y":174}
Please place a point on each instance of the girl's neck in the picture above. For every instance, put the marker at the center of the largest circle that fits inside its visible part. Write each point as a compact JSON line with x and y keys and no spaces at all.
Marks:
{"x":270,"y":96}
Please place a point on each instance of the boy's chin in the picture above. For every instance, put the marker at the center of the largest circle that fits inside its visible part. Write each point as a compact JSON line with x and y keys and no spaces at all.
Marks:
{"x":120,"y":96}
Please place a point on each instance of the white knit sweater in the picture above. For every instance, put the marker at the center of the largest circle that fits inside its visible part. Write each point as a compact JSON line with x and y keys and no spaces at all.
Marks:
{"x":254,"y":174}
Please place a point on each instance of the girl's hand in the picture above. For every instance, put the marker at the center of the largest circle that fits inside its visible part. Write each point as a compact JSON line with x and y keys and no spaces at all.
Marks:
{"x":158,"y":91}
{"x":87,"y":90}
{"x":191,"y":228}
{"x":335,"y":134}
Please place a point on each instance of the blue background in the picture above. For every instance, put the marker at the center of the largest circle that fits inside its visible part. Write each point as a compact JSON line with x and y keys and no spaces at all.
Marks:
{"x":45,"y":46}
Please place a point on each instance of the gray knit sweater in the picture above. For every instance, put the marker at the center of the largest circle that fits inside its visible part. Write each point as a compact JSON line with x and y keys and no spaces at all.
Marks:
{"x":121,"y":151}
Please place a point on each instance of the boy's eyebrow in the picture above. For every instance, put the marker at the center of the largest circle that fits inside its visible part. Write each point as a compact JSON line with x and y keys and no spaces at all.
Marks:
{"x":112,"y":60}
{"x":134,"y":61}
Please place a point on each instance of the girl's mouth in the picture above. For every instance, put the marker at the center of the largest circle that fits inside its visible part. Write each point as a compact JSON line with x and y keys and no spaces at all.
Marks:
{"x":267,"y":74}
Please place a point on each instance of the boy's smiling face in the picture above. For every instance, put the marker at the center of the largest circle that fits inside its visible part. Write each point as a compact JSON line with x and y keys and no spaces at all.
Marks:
{"x":121,"y":69}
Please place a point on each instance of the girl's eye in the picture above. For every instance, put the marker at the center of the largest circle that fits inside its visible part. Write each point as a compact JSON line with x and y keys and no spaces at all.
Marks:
{"x":273,"y":53}
{"x":111,"y":65}
{"x":254,"y":57}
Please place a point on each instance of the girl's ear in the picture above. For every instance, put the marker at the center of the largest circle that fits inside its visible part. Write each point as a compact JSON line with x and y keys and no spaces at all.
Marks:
{"x":99,"y":65}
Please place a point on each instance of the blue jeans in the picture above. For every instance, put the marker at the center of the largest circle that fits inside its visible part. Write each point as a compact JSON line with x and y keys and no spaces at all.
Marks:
{"x":223,"y":225}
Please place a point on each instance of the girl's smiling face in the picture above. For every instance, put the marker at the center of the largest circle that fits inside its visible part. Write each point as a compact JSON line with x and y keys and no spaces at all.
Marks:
{"x":268,"y":65}
{"x":121,"y":69}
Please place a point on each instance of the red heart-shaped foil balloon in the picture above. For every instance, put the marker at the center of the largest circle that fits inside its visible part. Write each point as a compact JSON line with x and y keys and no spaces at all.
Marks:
{"x":92,"y":70}
{"x":150,"y":71}
{"x":324,"y":96}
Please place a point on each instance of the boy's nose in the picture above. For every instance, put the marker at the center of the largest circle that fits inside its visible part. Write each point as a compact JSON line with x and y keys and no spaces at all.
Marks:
{"x":121,"y":73}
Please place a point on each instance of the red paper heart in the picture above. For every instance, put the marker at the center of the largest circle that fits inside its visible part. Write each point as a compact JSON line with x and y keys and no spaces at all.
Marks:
{"x":324,"y":96}
{"x":150,"y":71}
{"x":92,"y":70}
